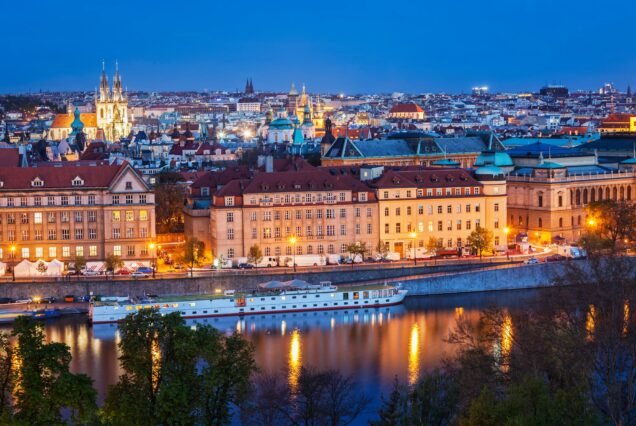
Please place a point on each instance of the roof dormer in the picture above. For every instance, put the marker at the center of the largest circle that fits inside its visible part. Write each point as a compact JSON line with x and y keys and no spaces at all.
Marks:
{"x":77,"y":181}
{"x":37,"y":182}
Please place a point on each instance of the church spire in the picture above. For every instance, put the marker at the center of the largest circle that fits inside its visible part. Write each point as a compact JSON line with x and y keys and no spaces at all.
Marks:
{"x":117,"y":89}
{"x":104,"y":91}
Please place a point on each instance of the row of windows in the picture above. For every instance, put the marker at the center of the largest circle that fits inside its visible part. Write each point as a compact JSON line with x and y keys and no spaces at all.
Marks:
{"x":79,"y":251}
{"x":129,"y":215}
{"x":68,"y":200}
{"x":430,"y":191}
{"x":440,"y":209}
{"x":299,"y":214}
{"x":51,"y":217}
{"x":308,"y":231}
{"x":450,"y":225}
{"x":65,"y":234}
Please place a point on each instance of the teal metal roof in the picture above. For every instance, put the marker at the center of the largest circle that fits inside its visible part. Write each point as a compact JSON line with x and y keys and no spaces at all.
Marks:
{"x":489,"y":170}
{"x":550,"y":165}
{"x":281,"y":123}
{"x":498,"y":158}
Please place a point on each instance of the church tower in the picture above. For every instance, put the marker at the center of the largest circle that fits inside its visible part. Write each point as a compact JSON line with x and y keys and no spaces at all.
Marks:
{"x":111,"y":108}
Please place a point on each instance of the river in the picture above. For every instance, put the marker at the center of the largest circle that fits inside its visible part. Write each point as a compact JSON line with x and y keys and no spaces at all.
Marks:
{"x":372,"y":345}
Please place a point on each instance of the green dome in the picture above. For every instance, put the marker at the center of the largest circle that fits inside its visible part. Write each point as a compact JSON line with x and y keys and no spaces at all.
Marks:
{"x":489,"y":170}
{"x":498,"y":158}
{"x":77,"y":124}
{"x":629,"y":161}
{"x":281,"y":124}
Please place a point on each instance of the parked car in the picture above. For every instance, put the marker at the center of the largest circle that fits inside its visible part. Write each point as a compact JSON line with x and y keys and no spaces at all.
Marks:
{"x":139,"y":274}
{"x":555,"y":258}
{"x":245,"y":266}
{"x":48,"y":300}
{"x":531,"y":261}
{"x":123,"y":272}
{"x":89,"y":272}
{"x":24,"y":300}
{"x":6,"y":300}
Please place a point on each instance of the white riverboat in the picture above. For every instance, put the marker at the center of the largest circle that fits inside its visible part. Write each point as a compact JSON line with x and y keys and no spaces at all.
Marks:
{"x":270,"y":297}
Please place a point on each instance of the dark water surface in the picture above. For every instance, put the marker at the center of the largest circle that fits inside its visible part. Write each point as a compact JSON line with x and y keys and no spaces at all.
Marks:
{"x":372,"y":345}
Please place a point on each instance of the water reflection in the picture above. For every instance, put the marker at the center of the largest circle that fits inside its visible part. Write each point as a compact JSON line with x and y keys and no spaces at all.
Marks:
{"x":414,"y":355}
{"x":372,"y":345}
{"x":294,"y":360}
{"x":590,"y":323}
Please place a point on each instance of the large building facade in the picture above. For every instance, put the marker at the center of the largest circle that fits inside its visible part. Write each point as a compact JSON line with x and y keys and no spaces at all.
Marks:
{"x":111,"y":108}
{"x":322,"y":212}
{"x":80,"y":210}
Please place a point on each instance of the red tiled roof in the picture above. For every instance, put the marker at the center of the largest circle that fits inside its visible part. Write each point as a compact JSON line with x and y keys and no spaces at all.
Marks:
{"x":64,"y":121}
{"x":410,"y":107}
{"x":9,"y":157}
{"x":59,"y":176}
{"x":426,"y":178}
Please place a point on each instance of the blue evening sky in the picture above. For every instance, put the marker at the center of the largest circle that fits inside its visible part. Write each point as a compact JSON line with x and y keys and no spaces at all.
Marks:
{"x":349,"y":46}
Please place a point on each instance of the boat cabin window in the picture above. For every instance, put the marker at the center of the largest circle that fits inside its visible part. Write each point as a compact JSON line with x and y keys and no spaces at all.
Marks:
{"x":356,"y":295}
{"x":345,"y":296}
{"x":365,"y":294}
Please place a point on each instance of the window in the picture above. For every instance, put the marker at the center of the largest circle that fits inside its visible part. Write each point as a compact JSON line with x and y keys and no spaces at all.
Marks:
{"x":92,"y":233}
{"x":341,"y":196}
{"x":420,"y":209}
{"x":52,"y":252}
{"x":230,"y":234}
{"x":496,"y":223}
{"x":25,"y":253}
{"x":116,"y":216}
{"x":398,"y":228}
{"x":77,"y":200}
{"x":467,"y":208}
{"x":477,"y":208}
{"x":540,"y":222}
{"x":115,"y":200}
{"x":79,"y":217}
{"x":66,"y":234}
{"x":369,"y":212}
{"x":92,"y":216}
{"x":449,"y":209}
{"x":130,"y":232}
{"x":37,"y":201}
{"x":439,"y":210}
{"x":468,"y":225}
{"x":129,"y":185}
{"x":229,"y":217}
{"x":560,"y":201}
{"x":386,"y":211}
{"x":23,"y":202}
{"x":357,"y":229}
{"x":397,"y":211}
{"x":91,"y":199}
{"x":11,"y":218}
{"x":79,"y":233}
{"x":331,"y":214}
{"x":369,"y":228}
{"x":52,"y":234}
{"x":229,"y":201}
{"x":117,"y":250}
{"x":130,"y":250}
{"x":37,"y":235}
{"x":540,"y":200}
{"x":143,"y":199}
{"x":79,"y":251}
{"x":92,"y":251}
{"x":143,"y":232}
{"x":343,"y":229}
{"x":440,"y":226}
{"x":25,"y":235}
{"x":50,"y":200}
{"x":343,"y":213}
{"x":386,"y":194}
{"x":496,"y":207}
{"x":50,"y":217}
{"x":66,"y":251}
{"x":230,"y":253}
{"x":357,"y":212}
{"x":129,"y":199}
{"x":331,"y":230}
{"x":11,"y":235}
{"x":9,"y":202}
{"x":64,"y":199}
{"x":25,"y":218}
{"x":116,"y":233}
{"x":386,"y":228}
{"x":299,"y":214}
{"x":144,"y":251}
{"x":77,"y":181}
{"x":37,"y":218}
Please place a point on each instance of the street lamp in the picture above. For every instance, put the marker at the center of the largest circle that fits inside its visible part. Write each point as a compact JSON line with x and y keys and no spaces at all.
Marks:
{"x":293,"y":240}
{"x":413,"y":236}
{"x":154,"y":262}
{"x":13,"y":261}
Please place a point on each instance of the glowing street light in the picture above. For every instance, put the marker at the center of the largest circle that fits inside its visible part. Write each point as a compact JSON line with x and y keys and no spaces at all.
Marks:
{"x":413,"y":236}
{"x":152,"y":247}
{"x":13,"y":248}
{"x":591,"y":222}
{"x":292,"y":241}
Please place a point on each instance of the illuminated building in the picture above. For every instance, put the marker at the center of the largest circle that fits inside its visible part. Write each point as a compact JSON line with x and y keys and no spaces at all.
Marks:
{"x":407,"y":111}
{"x":111,"y":108}
{"x":88,"y":210}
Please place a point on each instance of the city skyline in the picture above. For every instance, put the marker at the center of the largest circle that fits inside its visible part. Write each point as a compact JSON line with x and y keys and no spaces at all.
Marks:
{"x":351,"y":48}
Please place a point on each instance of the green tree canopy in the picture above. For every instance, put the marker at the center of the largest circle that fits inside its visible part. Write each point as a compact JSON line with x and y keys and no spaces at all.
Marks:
{"x":480,"y":240}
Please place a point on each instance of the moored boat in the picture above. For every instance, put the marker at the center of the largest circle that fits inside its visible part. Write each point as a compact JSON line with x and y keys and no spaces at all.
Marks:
{"x":270,"y":297}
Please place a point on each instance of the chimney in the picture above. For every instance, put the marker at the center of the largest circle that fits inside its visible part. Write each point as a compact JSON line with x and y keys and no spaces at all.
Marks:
{"x":269,"y":164}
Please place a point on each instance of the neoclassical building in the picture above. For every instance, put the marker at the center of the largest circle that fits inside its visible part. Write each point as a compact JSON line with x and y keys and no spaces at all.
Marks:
{"x":81,"y":209}
{"x":550,"y":188}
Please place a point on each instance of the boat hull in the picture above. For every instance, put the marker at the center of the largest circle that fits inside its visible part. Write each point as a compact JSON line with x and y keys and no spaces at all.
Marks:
{"x":206,"y":309}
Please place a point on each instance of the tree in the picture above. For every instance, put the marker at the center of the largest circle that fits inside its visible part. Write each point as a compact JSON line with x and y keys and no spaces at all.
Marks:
{"x":112,"y":263}
{"x":357,"y":249}
{"x":176,"y":375}
{"x":480,"y":240}
{"x":43,"y":385}
{"x":255,"y":255}
{"x":394,"y":410}
{"x":383,"y":249}
{"x":169,"y":202}
{"x":612,"y":222}
{"x":193,"y":253}
{"x":433,"y":245}
{"x":80,"y":263}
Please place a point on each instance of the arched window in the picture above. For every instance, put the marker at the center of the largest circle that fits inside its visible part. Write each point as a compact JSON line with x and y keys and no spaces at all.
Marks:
{"x":578,"y":197}
{"x":540,"y":222}
{"x":629,"y":192}
{"x":614,"y":193}
{"x":622,"y":193}
{"x":607,"y":193}
{"x":560,"y":222}
{"x":585,"y":196}
{"x":578,"y":220}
